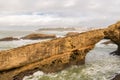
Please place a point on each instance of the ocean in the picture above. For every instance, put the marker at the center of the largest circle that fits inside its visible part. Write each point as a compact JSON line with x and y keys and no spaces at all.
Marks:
{"x":99,"y":64}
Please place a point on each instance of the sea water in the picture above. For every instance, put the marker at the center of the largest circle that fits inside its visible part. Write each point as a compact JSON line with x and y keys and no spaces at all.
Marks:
{"x":99,"y":64}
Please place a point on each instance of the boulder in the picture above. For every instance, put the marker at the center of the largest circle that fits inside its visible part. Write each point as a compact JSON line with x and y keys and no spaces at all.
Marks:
{"x":8,"y":39}
{"x":72,"y":33}
{"x":35,"y":36}
{"x":48,"y":56}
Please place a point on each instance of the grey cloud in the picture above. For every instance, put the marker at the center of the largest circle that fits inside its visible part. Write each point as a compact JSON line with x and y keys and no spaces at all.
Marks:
{"x":73,"y":12}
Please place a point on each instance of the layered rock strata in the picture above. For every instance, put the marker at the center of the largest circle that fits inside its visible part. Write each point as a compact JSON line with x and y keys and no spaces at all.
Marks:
{"x":117,"y":77}
{"x":53,"y":55}
{"x":113,"y":33}
{"x":50,"y":56}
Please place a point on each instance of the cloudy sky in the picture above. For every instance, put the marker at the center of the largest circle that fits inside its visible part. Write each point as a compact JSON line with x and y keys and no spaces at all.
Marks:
{"x":59,"y":12}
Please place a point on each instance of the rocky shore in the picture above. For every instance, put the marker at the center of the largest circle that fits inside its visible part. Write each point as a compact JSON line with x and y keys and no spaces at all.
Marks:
{"x":9,"y":39}
{"x":54,"y":55}
{"x":35,"y":36}
{"x":32,"y":36}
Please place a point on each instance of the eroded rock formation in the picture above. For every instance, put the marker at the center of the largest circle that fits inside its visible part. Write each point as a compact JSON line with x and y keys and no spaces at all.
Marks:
{"x":50,"y":56}
{"x":113,"y":32}
{"x":53,"y":55}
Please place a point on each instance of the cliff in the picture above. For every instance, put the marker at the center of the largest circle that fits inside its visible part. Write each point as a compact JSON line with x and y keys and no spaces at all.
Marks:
{"x":53,"y":55}
{"x":50,"y":56}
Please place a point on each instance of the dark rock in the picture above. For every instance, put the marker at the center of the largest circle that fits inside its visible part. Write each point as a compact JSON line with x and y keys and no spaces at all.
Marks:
{"x":117,"y":52}
{"x":8,"y":39}
{"x":117,"y":77}
{"x":106,"y":37}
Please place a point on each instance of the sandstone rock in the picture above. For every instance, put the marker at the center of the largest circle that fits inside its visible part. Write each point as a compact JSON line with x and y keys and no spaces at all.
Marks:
{"x":49,"y":56}
{"x":113,"y":32}
{"x":72,"y":33}
{"x":53,"y":55}
{"x":39,"y":36}
{"x":8,"y":39}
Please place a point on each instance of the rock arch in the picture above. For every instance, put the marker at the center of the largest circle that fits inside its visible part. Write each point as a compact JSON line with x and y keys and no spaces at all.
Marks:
{"x":54,"y":55}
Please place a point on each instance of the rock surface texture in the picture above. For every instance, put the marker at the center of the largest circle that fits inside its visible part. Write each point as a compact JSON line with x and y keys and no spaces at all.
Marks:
{"x":53,"y":55}
{"x":113,"y":32}
{"x":35,"y":36}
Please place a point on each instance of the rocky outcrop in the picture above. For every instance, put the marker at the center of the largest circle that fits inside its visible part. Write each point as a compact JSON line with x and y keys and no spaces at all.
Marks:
{"x":113,"y":32}
{"x":50,"y":56}
{"x":53,"y":55}
{"x":72,"y":33}
{"x":8,"y":39}
{"x":35,"y":36}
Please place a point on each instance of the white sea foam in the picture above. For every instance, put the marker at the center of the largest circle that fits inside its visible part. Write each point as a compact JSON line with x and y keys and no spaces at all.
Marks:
{"x":4,"y":45}
{"x":99,"y":66}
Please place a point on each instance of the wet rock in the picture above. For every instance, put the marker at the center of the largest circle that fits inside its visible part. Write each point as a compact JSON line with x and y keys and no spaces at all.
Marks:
{"x":71,"y":33}
{"x":117,"y":77}
{"x":35,"y":36}
{"x":8,"y":39}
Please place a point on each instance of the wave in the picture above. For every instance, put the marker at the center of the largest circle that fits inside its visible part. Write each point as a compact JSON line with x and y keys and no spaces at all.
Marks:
{"x":6,"y":45}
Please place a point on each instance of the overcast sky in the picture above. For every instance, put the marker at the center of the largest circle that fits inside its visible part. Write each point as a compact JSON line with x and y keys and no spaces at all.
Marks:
{"x":59,"y":12}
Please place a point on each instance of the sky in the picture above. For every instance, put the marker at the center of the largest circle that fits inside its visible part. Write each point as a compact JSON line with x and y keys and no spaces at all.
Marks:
{"x":77,"y":13}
